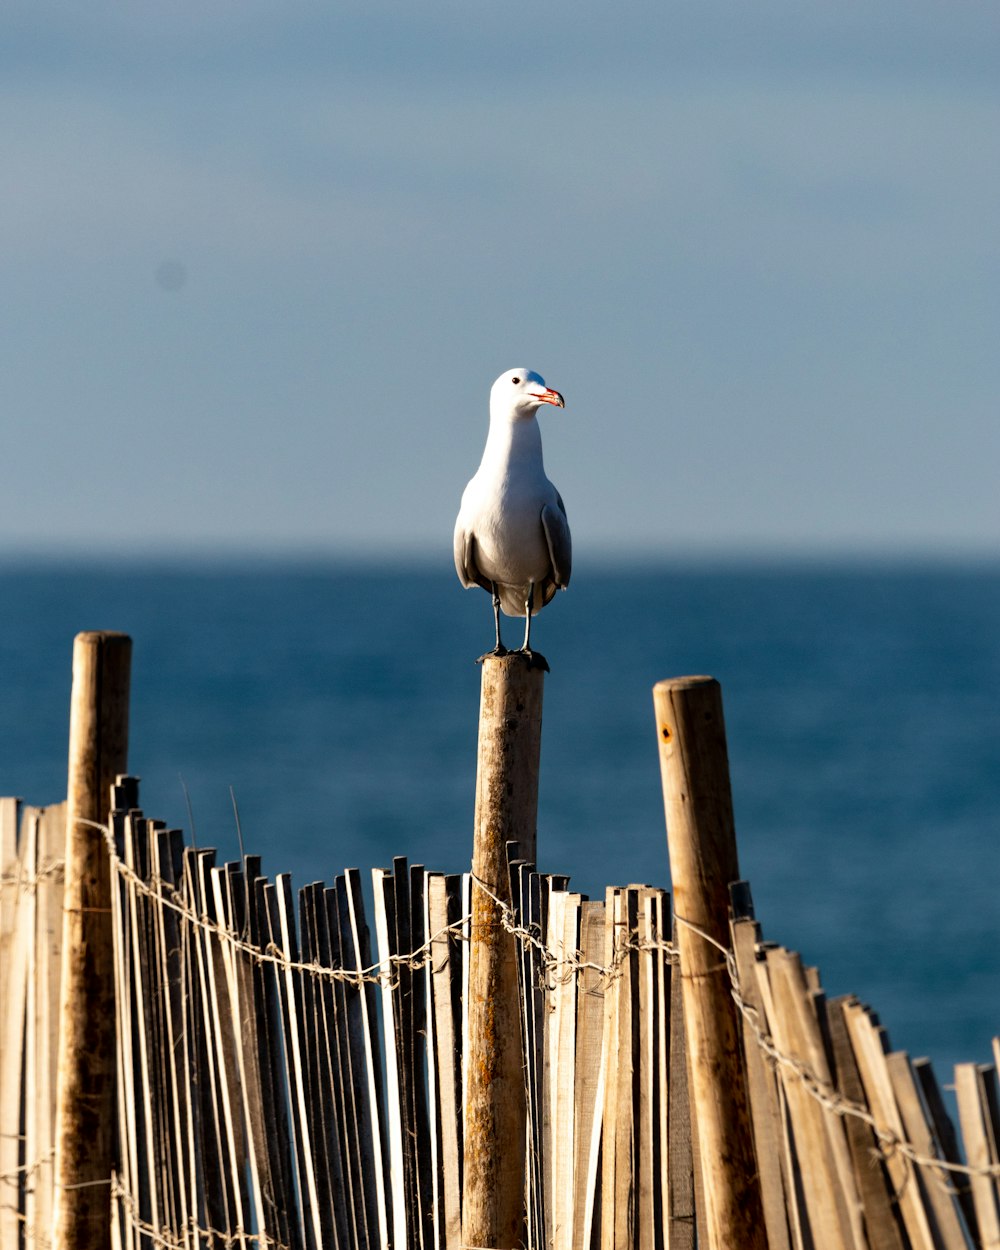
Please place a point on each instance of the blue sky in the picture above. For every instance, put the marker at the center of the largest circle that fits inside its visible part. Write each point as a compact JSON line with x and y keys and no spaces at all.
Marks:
{"x":262,"y":262}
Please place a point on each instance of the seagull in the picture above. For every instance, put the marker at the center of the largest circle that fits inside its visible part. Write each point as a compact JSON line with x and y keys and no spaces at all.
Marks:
{"x":512,"y":536}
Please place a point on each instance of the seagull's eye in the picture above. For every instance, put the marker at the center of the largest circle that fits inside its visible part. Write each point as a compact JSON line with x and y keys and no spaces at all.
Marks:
{"x":515,"y":381}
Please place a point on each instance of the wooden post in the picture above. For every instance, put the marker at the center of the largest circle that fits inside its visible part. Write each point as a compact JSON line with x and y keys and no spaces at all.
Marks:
{"x":510,"y":725}
{"x":702,"y":843}
{"x":85,"y":1082}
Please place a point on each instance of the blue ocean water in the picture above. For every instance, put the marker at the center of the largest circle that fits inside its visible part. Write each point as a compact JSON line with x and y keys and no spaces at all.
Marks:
{"x":340,"y":703}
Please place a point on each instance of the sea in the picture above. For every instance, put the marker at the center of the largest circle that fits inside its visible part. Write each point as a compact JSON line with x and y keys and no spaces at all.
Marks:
{"x":326,"y":712}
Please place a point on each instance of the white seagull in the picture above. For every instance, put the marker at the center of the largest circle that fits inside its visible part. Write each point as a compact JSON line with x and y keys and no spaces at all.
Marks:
{"x":512,"y":536}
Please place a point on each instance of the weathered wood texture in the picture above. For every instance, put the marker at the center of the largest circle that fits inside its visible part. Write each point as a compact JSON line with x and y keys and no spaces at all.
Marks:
{"x":263,"y":1100}
{"x":510,"y":723}
{"x":31,"y":888}
{"x":85,"y":1099}
{"x":595,"y":984}
{"x":701,"y":840}
{"x":250,"y":1067}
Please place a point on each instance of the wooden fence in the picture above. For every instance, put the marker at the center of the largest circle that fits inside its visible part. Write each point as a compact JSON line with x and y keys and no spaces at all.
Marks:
{"x":194,"y":1056}
{"x":282,"y":1085}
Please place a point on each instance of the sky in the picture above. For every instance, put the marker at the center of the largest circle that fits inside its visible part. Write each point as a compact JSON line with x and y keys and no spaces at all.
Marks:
{"x":261,"y":263}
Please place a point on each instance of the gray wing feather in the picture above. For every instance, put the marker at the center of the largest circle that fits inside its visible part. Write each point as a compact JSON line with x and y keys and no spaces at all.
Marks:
{"x":556,"y":529}
{"x":465,"y":559}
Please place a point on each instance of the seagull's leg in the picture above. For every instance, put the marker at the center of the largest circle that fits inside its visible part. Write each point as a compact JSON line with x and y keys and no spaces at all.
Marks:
{"x":496,"y":617}
{"x":535,"y":658}
{"x":499,"y":649}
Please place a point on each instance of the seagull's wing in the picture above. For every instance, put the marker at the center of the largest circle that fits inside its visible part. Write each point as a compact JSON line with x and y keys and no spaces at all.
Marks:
{"x":556,"y":529}
{"x":465,"y":558}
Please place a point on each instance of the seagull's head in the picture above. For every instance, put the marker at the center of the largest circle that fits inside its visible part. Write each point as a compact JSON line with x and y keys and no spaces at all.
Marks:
{"x":519,"y":393}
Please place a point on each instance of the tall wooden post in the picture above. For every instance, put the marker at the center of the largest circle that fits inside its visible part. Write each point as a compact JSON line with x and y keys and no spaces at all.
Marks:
{"x":701,"y":838}
{"x":510,"y":727}
{"x":85,"y":1082}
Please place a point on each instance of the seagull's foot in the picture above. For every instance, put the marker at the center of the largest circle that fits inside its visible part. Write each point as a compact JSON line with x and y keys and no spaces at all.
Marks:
{"x":535,"y":659}
{"x":498,"y":650}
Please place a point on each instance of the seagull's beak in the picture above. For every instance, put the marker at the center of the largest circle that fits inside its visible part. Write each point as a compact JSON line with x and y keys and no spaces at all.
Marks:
{"x":550,"y":397}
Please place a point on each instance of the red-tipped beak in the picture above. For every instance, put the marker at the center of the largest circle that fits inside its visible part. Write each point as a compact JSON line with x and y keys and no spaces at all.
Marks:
{"x":551,"y":397}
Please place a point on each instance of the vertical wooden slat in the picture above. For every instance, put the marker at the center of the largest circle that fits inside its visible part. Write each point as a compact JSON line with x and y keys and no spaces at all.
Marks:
{"x":402,"y":1019}
{"x":526,"y":895}
{"x":294,"y":1047}
{"x":935,"y":1186}
{"x":869,"y":1043}
{"x":224,"y":1026}
{"x":975,"y":1092}
{"x":664,"y":989}
{"x":589,"y":1091}
{"x":121,"y":942}
{"x":404,"y":932}
{"x":163,"y":1172}
{"x":320,"y":1051}
{"x":356,"y":948}
{"x":626,"y":1075}
{"x":283,"y":1216}
{"x":279,"y":1034}
{"x":220,"y":1051}
{"x":417,"y":1051}
{"x":798,"y":1222}
{"x":365,"y":1156}
{"x":466,"y":971}
{"x":28,"y":1054}
{"x":444,"y":971}
{"x":9,"y":878}
{"x":12,"y":993}
{"x":814,"y":1015}
{"x":48,"y":966}
{"x":647,"y":1137}
{"x":344,"y":1148}
{"x":762,"y":1090}
{"x":550,"y":1041}
{"x":168,"y":852}
{"x":435,"y":1194}
{"x":683,"y":1172}
{"x":217,"y":1203}
{"x":609,"y":1064}
{"x":148,"y":1160}
{"x":236,"y":1021}
{"x":263,"y":1145}
{"x":385,"y":930}
{"x":822,"y":1148}
{"x":563,"y":941}
{"x":948,"y":1139}
{"x":881,"y":1208}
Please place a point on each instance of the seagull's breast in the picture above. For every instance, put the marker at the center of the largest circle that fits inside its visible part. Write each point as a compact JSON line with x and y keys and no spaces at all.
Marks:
{"x":504,"y":512}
